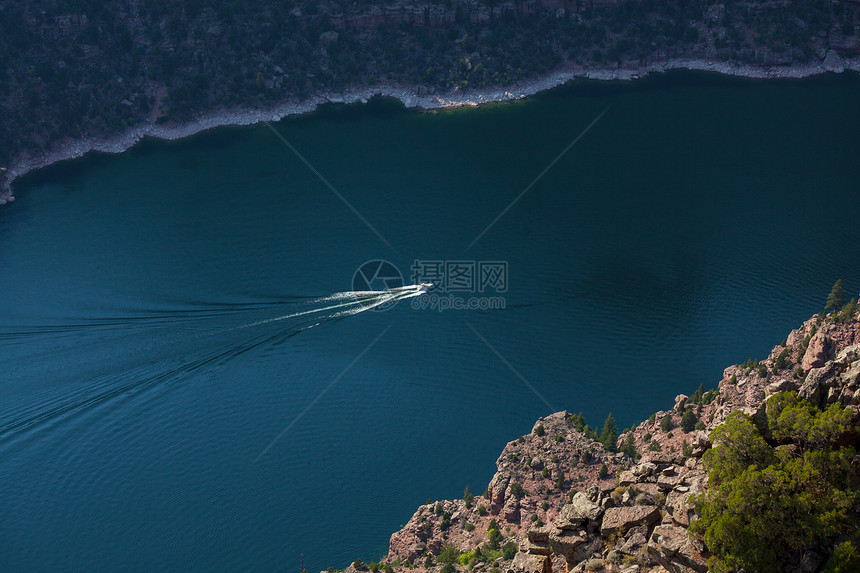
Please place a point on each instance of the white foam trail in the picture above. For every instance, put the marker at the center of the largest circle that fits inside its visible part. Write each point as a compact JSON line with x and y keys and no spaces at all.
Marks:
{"x":362,"y":300}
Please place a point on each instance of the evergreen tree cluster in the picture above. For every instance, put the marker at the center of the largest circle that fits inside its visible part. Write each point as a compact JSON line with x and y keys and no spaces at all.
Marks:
{"x":779,"y":491}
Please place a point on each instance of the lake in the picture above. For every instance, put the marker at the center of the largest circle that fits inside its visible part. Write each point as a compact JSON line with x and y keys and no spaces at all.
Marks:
{"x":179,"y":388}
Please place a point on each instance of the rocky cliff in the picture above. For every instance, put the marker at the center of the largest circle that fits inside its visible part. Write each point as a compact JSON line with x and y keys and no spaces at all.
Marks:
{"x":552,"y":506}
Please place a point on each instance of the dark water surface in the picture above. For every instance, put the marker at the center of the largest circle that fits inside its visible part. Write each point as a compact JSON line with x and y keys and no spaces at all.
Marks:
{"x":142,"y":375}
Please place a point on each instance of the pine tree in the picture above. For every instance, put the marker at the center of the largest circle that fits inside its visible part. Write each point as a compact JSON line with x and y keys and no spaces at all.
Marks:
{"x":836,"y":298}
{"x":609,"y":435}
{"x":629,"y":446}
{"x":468,"y":497}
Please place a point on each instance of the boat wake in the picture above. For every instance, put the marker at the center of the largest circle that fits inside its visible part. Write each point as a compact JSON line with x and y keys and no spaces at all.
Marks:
{"x":82,"y":364}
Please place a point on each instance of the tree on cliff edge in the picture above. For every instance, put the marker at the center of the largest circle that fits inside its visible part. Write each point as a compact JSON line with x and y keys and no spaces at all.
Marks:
{"x":609,"y":435}
{"x":836,"y":298}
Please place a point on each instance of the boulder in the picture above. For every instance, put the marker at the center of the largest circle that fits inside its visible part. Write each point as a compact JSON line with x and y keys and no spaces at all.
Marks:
{"x":781,"y":385}
{"x":633,"y":543}
{"x":648,"y":488}
{"x":816,"y":352}
{"x":848,"y":355}
{"x":528,"y":563}
{"x":817,"y":383}
{"x":645,"y":469}
{"x":622,"y":518}
{"x":678,"y":505}
{"x":669,"y":482}
{"x":674,"y":550}
{"x":659,"y":459}
{"x":579,"y":510}
{"x":329,"y":37}
{"x":833,"y":63}
{"x":566,"y":541}
{"x":538,"y":535}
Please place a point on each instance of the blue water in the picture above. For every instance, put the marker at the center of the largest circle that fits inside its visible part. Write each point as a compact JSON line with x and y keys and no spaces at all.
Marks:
{"x":144,"y":383}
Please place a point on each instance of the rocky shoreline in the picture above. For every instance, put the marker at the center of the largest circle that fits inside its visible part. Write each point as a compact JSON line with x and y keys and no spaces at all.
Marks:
{"x":410,"y":96}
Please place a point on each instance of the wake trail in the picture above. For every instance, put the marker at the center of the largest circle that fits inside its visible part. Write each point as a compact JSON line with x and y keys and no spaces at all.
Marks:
{"x":114,"y":358}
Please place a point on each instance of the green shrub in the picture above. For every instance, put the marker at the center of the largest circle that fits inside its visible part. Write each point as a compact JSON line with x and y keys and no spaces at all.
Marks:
{"x":763,"y":504}
{"x":466,"y":558}
{"x":534,"y":517}
{"x":540,"y":431}
{"x":448,"y":568}
{"x":509,"y":550}
{"x":448,"y":554}
{"x":469,"y":527}
{"x":667,"y":423}
{"x":494,"y":535}
{"x":781,"y":361}
{"x":847,"y":313}
{"x":688,"y":421}
{"x":482,"y":510}
{"x":646,"y":438}
{"x":845,"y":559}
{"x":545,"y":472}
{"x":513,"y":457}
{"x":489,"y":555}
{"x":446,"y":521}
{"x":545,"y":505}
{"x":517,"y":490}
{"x":359,"y":565}
{"x":654,"y":447}
{"x":603,"y":472}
